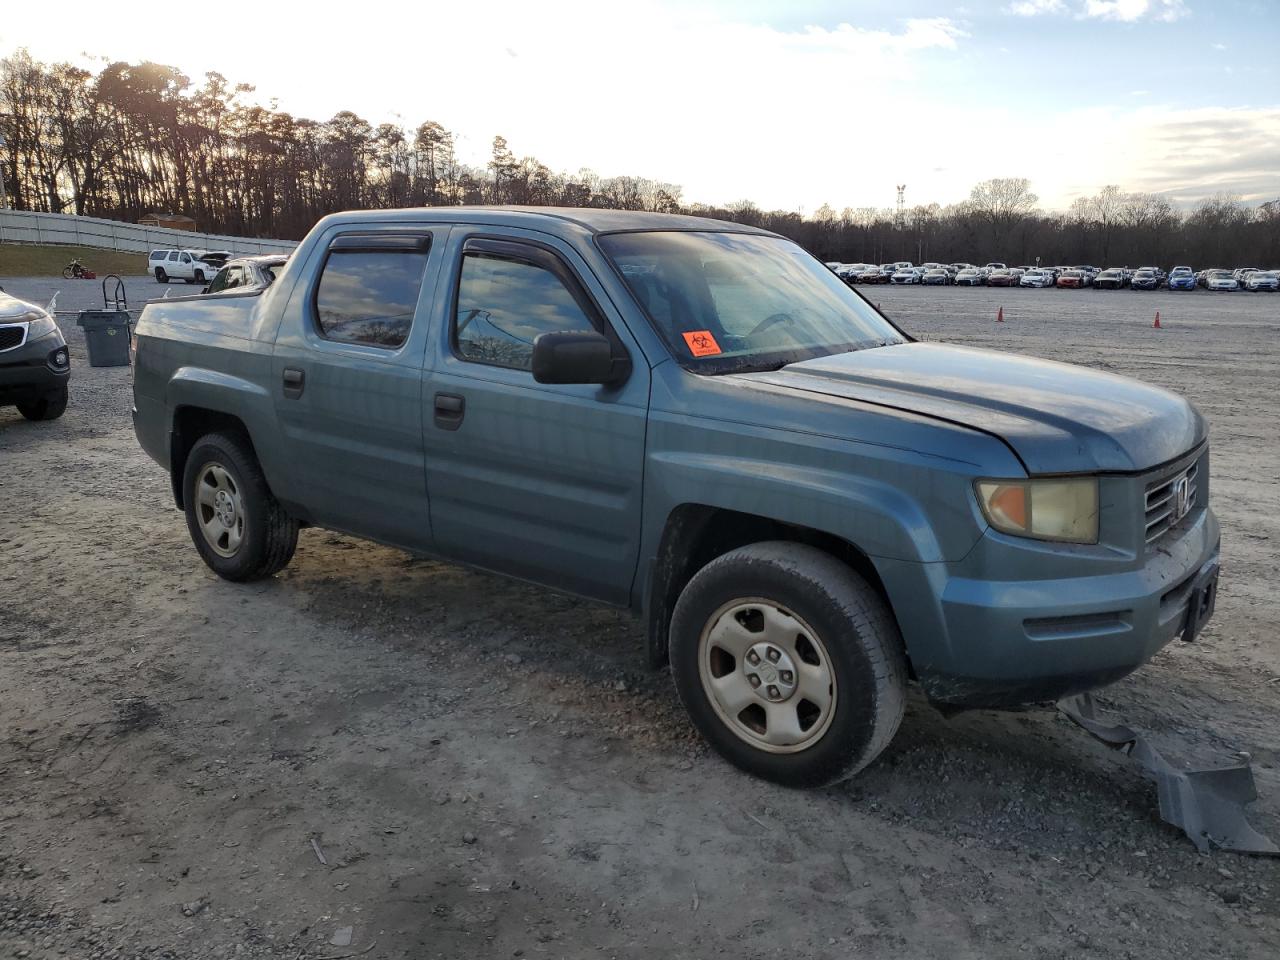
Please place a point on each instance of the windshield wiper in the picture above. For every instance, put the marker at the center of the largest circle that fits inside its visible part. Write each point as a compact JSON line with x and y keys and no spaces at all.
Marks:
{"x":758,"y":367}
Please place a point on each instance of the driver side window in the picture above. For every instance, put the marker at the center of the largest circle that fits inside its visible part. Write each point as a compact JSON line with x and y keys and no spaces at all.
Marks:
{"x":504,"y":305}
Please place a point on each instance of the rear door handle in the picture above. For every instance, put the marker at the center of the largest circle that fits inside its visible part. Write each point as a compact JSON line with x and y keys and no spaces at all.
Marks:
{"x":450,"y":409}
{"x":294,"y":380}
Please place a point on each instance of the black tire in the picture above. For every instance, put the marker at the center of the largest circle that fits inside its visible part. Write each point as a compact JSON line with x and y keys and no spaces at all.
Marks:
{"x":161,"y":276}
{"x":270,"y":535}
{"x":68,"y":273}
{"x":49,"y":407}
{"x":199,"y":276}
{"x":853,"y":626}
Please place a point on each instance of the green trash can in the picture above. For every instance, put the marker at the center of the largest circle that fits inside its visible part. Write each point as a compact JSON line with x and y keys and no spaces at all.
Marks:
{"x":106,"y":336}
{"x":107,"y":331}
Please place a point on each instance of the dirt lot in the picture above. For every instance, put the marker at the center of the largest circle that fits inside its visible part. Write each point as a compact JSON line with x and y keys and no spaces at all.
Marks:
{"x":490,"y":771}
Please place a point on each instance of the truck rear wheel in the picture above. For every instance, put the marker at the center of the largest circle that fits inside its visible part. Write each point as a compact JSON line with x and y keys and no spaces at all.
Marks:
{"x":788,"y":663}
{"x":237,"y":525}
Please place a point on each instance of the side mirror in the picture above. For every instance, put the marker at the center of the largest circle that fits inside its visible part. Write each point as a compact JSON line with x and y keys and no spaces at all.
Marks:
{"x":577,"y":356}
{"x":205,"y":288}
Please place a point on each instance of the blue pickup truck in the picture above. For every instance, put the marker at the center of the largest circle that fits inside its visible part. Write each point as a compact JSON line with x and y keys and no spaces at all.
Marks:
{"x":699,"y":422}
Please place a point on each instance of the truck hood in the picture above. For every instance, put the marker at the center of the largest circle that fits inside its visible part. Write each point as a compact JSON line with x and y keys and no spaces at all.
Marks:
{"x":1057,"y":417}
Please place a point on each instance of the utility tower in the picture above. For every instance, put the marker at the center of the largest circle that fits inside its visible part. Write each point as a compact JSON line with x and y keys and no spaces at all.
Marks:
{"x":902,"y":204}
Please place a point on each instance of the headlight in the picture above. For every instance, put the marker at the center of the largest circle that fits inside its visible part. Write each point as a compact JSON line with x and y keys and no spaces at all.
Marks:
{"x":40,"y":326}
{"x":1064,"y":510}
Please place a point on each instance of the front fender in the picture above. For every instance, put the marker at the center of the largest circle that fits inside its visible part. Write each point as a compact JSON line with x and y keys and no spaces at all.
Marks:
{"x":879,"y":517}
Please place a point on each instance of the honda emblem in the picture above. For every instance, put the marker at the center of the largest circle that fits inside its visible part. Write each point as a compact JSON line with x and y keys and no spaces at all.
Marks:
{"x":1181,"y":498}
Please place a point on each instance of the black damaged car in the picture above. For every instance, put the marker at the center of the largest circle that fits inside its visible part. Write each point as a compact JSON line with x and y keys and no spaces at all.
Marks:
{"x":34,"y":363}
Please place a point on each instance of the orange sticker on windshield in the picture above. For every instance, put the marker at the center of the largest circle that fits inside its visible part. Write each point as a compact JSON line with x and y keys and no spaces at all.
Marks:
{"x":702,"y":343}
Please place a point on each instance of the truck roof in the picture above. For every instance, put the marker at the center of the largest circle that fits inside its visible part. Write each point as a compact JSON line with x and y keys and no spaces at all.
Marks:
{"x":592,"y":219}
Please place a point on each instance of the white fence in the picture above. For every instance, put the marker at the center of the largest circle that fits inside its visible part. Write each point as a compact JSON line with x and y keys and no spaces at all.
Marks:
{"x":17,"y":226}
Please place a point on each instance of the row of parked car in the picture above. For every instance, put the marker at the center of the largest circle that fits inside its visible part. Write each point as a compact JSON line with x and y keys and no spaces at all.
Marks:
{"x":216,"y":270}
{"x":1003,"y":275}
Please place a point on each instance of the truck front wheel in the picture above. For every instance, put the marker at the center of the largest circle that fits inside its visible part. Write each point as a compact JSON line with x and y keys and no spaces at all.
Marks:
{"x":788,"y":663}
{"x":237,"y":525}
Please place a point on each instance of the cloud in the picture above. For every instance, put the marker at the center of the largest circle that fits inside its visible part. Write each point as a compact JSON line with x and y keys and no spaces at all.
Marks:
{"x":1187,"y":155}
{"x":1125,"y":11}
{"x":1034,"y":8}
{"x":1129,"y":11}
{"x":917,"y":34}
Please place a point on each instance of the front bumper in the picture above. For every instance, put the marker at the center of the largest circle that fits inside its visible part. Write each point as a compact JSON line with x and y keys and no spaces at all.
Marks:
{"x":997,"y":643}
{"x":25,"y":373}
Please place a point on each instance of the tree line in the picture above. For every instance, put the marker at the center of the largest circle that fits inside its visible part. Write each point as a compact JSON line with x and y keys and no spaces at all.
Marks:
{"x":133,"y":139}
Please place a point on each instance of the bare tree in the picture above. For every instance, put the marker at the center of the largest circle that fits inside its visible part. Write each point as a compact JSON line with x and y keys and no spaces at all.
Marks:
{"x":1003,"y":202}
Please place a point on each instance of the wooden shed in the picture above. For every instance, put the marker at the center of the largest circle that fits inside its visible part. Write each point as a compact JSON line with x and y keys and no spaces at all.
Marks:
{"x":174,"y":221}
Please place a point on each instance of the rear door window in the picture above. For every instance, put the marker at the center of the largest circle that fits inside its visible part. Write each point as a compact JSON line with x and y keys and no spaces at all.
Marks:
{"x":368,"y":289}
{"x":221,"y":281}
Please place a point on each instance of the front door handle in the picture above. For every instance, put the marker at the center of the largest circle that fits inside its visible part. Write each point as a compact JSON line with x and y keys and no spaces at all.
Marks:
{"x":450,"y":409}
{"x":294,"y":380}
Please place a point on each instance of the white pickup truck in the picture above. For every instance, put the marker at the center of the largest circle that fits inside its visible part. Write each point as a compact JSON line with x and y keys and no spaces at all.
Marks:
{"x":193,"y":266}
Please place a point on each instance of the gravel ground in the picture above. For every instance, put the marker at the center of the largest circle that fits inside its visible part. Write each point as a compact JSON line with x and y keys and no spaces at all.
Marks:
{"x":380,"y":756}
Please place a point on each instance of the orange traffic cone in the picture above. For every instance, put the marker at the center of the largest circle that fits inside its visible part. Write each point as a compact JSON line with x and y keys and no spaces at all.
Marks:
{"x":1157,"y":323}
{"x":1000,"y":315}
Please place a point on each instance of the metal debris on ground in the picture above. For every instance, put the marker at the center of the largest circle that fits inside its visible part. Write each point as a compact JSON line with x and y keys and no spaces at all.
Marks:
{"x":1208,"y":805}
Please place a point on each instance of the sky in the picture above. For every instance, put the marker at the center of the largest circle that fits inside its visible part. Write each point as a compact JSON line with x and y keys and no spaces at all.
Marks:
{"x":791,"y":103}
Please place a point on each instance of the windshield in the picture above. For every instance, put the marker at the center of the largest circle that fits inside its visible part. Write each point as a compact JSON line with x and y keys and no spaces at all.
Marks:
{"x":730,"y":303}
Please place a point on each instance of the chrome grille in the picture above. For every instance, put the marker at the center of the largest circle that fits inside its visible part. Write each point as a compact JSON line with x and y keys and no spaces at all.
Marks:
{"x":12,"y":335}
{"x":1163,"y":504}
